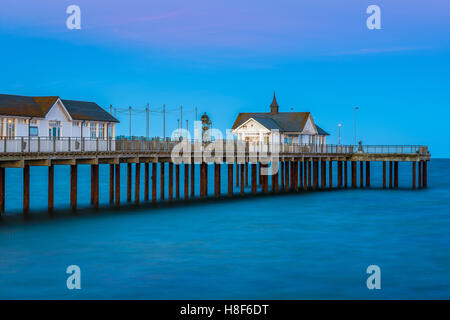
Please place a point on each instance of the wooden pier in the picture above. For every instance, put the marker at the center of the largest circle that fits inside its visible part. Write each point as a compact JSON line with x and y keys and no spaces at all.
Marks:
{"x":300,"y":168}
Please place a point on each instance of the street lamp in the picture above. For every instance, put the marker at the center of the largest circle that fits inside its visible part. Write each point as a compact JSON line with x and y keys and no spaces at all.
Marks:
{"x":356,"y":108}
{"x":339,"y":125}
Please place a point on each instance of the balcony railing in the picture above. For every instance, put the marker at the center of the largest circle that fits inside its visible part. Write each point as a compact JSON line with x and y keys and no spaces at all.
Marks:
{"x":60,"y":145}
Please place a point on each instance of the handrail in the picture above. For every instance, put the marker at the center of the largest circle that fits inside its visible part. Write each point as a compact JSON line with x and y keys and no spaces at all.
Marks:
{"x":29,"y":145}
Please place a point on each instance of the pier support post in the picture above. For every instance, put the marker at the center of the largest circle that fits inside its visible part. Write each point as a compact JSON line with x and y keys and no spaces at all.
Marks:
{"x":361,"y":174}
{"x":177,"y":181}
{"x":192,"y":179}
{"x":117,"y":195}
{"x":384,"y":174}
{"x":162,"y":184}
{"x":129,"y":182}
{"x":330,"y":174}
{"x":51,"y":187}
{"x":237,"y":174}
{"x":367,"y":173}
{"x":315,"y":174}
{"x":425,"y":177}
{"x":353,"y":174}
{"x":95,"y":185}
{"x":2,"y":190}
{"x":137,"y":183}
{"x":216,"y":180}
{"x":339,"y":174}
{"x":246,"y":174}
{"x":253,"y":168}
{"x":300,"y":164}
{"x":242,"y":179}
{"x":295,"y":175}
{"x":146,"y":181}
{"x":390,"y":175}
{"x":230,"y":179}
{"x":345,"y":173}
{"x":186,"y":181}
{"x":419,"y":176}
{"x":305,"y":174}
{"x":26,"y":189}
{"x":154,"y":181}
{"x":111,"y":183}
{"x":396,"y":174}
{"x":73,"y":186}
{"x":286,"y":176}
{"x":323,"y":174}
{"x":170,"y":181}
{"x":282,"y":175}
{"x":414,"y":174}
{"x":265,"y":178}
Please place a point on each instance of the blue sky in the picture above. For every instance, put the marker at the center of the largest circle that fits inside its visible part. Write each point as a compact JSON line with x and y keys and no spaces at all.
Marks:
{"x":229,"y":57}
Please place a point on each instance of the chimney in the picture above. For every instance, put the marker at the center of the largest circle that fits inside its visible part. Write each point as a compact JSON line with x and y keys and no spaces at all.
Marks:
{"x":274,"y":105}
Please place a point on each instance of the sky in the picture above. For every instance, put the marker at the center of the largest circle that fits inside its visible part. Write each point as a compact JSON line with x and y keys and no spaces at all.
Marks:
{"x":226,"y":57}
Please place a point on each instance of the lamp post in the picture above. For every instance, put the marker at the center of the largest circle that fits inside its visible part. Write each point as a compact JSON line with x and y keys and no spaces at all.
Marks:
{"x":339,"y":125}
{"x":356,"y":108}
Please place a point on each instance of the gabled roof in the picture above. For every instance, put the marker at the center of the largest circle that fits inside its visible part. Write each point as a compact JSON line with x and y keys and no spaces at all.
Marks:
{"x":82,"y":110}
{"x":38,"y":107}
{"x":21,"y":106}
{"x":284,"y":121}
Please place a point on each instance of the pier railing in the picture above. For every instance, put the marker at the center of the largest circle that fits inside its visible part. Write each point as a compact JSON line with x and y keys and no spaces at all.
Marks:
{"x":63,"y":145}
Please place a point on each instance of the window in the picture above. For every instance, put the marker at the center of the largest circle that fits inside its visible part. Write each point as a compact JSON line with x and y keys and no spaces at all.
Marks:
{"x":110,"y":130}
{"x":34,"y":131}
{"x":93,"y":130}
{"x":11,"y":128}
{"x":101,"y":130}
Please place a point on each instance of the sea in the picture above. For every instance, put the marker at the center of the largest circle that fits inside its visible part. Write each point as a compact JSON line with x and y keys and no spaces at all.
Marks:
{"x":299,"y":245}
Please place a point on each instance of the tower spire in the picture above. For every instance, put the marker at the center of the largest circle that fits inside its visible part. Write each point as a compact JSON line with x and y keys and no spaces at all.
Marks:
{"x":274,"y":106}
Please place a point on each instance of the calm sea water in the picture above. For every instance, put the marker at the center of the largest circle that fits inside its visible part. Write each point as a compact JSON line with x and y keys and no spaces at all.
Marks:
{"x":292,"y":246}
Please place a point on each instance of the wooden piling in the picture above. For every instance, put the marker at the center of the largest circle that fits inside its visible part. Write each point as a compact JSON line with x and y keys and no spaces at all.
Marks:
{"x":353,"y":174}
{"x":117,"y":195}
{"x":177,"y":181}
{"x":73,"y":186}
{"x":170,"y":181}
{"x":2,"y":190}
{"x":323,"y":174}
{"x":92,"y":184}
{"x":425,"y":176}
{"x":309,"y":174}
{"x":265,"y":179}
{"x":367,"y":173}
{"x":162,"y":184}
{"x":111,"y":184}
{"x":339,"y":174}
{"x":129,"y":181}
{"x":230,"y":179}
{"x":95,"y":186}
{"x":137,"y":183}
{"x":300,"y":165}
{"x":192,"y":179}
{"x":146,"y":181}
{"x":186,"y":181}
{"x":154,"y":181}
{"x":414,"y":174}
{"x":396,"y":174}
{"x":253,"y":168}
{"x":361,"y":174}
{"x":419,"y":176}
{"x":51,"y":187}
{"x":330,"y":174}
{"x":345,"y":174}
{"x":242,"y":179}
{"x":315,"y":174}
{"x":237,"y":174}
{"x":305,"y":174}
{"x":384,"y":174}
{"x":390,"y":174}
{"x":286,"y":176}
{"x":246,"y":174}
{"x":295,"y":178}
{"x":26,"y":189}
{"x":216,"y":180}
{"x":282,"y":175}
